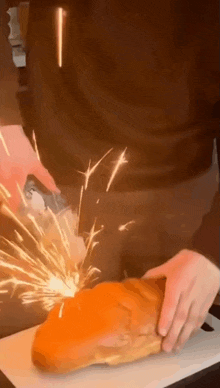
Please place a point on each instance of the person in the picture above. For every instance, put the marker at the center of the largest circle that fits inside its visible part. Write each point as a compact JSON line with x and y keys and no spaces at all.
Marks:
{"x":143,"y":76}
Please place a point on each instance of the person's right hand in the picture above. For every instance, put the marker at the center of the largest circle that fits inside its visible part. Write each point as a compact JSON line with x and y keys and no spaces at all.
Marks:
{"x":17,"y":161}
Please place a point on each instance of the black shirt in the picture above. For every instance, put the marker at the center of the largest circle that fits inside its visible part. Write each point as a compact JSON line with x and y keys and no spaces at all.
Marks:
{"x":141,"y":75}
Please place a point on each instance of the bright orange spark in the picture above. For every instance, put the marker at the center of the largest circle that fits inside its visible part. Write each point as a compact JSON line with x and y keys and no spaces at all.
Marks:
{"x":48,"y":282}
{"x":121,"y":228}
{"x":61,"y":310}
{"x":92,"y":234}
{"x":51,"y":282}
{"x":7,"y":211}
{"x":35,"y":145}
{"x":90,"y":171}
{"x":5,"y":193}
{"x":61,"y":232}
{"x":87,"y":175}
{"x":120,"y":161}
{"x":79,"y":209}
{"x":19,"y":237}
{"x":60,"y":36}
{"x":34,"y":222}
{"x":4,"y":144}
{"x":22,"y":195}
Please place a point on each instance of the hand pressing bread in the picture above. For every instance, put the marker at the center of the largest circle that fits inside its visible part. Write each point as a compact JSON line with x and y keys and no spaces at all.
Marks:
{"x":112,"y":323}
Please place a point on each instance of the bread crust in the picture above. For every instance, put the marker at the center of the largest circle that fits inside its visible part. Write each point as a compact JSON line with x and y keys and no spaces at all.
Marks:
{"x":112,"y":323}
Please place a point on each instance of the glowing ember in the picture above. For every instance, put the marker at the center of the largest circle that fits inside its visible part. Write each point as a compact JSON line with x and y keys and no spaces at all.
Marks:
{"x":121,"y":228}
{"x":61,"y":310}
{"x":5,"y":210}
{"x":19,"y":237}
{"x":57,"y":285}
{"x":79,"y":210}
{"x":60,"y":36}
{"x":51,"y":274}
{"x":35,"y":145}
{"x":48,"y":278}
{"x":4,"y":144}
{"x":4,"y":192}
{"x":21,"y":195}
{"x":92,"y":234}
{"x":119,"y":162}
{"x":91,"y":171}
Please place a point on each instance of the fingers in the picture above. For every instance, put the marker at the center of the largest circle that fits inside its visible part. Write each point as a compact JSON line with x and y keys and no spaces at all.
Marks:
{"x":188,"y":319}
{"x":196,"y":318}
{"x":184,"y":313}
{"x":177,"y":318}
{"x":170,"y":303}
{"x":190,"y":326}
{"x":43,"y":175}
{"x":204,"y":311}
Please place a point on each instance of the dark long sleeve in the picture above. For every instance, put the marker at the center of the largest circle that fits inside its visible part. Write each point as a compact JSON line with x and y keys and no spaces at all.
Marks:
{"x":216,"y":115}
{"x":207,"y":237}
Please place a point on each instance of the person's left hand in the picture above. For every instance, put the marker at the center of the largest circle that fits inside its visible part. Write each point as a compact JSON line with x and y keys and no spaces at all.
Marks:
{"x":192,"y":283}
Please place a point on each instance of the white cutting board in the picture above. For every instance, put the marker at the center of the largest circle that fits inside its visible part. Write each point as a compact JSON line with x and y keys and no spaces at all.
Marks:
{"x":158,"y":371}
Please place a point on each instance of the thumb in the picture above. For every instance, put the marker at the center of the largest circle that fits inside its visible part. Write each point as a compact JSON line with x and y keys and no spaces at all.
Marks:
{"x":43,"y":175}
{"x":156,"y":272}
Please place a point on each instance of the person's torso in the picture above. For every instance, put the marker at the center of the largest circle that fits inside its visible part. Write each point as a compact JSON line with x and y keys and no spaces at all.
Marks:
{"x":140,"y":75}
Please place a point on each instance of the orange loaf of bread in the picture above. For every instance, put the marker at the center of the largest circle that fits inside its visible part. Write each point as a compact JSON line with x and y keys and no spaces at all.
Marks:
{"x":112,"y":323}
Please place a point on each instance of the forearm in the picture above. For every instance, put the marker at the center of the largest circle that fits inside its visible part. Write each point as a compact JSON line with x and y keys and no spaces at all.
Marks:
{"x":206,"y":239}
